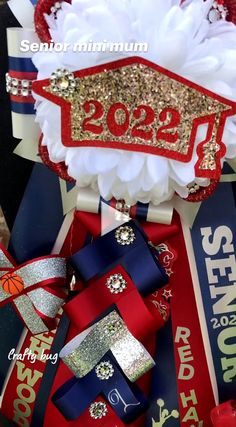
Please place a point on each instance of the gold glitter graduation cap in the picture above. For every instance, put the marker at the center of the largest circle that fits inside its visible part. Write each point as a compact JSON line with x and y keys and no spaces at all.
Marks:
{"x":133,"y":104}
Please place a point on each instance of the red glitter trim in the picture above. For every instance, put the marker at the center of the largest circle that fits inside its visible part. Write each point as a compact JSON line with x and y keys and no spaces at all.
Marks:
{"x":203,"y":193}
{"x":231,"y":6}
{"x":41,"y":26}
{"x":59,"y":168}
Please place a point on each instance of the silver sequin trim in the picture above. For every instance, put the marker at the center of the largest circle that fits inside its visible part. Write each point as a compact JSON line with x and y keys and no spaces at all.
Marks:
{"x":48,"y":304}
{"x":32,"y":320}
{"x":86,"y":350}
{"x":43,"y":269}
{"x":4,"y":261}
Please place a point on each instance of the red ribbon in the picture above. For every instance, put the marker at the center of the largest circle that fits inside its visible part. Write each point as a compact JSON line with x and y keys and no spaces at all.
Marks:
{"x":141,"y":317}
{"x":184,"y":315}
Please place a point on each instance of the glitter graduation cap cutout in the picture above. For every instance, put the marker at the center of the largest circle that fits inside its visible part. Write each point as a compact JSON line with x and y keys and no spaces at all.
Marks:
{"x":133,"y":104}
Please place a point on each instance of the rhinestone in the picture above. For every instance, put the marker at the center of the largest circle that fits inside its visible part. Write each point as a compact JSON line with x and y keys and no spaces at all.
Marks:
{"x":15,"y":82}
{"x":14,"y":91}
{"x":116,"y":283}
{"x":25,"y":83}
{"x":57,"y":5}
{"x":193,"y":188}
{"x":59,"y":72}
{"x":24,"y":92}
{"x":8,"y":78}
{"x":122,"y":206}
{"x":98,"y":410}
{"x":214,"y":15}
{"x":53,"y":9}
{"x":104,"y":371}
{"x":125,"y":235}
{"x":63,"y":83}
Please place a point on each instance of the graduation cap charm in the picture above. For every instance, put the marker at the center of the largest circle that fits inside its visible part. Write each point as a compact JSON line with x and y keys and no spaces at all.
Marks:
{"x":133,"y":104}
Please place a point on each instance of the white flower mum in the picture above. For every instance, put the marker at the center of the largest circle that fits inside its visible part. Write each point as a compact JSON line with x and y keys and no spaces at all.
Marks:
{"x":181,"y":39}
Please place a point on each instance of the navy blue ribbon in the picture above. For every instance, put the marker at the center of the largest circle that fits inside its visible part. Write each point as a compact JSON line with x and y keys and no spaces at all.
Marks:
{"x":23,"y":65}
{"x":142,"y":211}
{"x":220,"y":323}
{"x":39,"y":218}
{"x":49,"y":375}
{"x":23,"y":107}
{"x":139,"y":260}
{"x":165,"y":388}
{"x":36,"y":227}
{"x":125,"y":398}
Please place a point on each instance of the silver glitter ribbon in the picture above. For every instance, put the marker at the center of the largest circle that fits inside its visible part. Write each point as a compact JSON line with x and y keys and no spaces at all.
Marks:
{"x":37,"y":301}
{"x":86,"y":350}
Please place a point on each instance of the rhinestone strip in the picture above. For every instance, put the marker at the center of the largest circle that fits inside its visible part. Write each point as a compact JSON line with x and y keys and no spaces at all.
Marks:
{"x":18,"y":87}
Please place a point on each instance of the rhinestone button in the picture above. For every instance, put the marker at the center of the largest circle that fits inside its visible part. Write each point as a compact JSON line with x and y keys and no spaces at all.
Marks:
{"x":104,"y":371}
{"x":63,"y":82}
{"x":98,"y":410}
{"x":116,"y":283}
{"x":125,"y":235}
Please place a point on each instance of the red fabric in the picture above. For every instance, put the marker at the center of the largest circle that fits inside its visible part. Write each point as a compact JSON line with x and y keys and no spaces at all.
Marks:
{"x":97,"y":298}
{"x":224,"y":415}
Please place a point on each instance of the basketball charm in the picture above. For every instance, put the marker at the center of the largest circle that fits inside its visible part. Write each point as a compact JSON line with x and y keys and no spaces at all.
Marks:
{"x":12,"y":283}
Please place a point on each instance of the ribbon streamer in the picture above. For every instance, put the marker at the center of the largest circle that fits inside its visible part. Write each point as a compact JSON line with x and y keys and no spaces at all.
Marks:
{"x":89,"y":263}
{"x":29,"y":288}
{"x":86,"y":350}
{"x":141,"y":318}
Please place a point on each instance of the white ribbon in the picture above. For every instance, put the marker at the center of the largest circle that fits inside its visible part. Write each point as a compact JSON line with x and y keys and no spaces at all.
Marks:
{"x":88,"y":201}
{"x":23,"y":10}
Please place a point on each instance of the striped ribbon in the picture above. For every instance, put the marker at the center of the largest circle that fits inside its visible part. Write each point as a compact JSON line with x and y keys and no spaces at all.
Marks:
{"x":23,"y":11}
{"x":31,"y":288}
{"x":21,"y":74}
